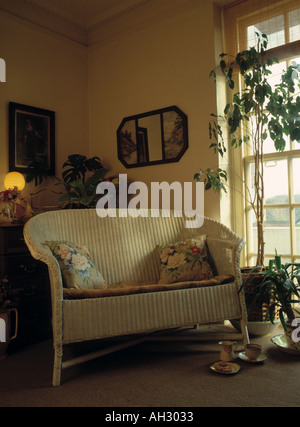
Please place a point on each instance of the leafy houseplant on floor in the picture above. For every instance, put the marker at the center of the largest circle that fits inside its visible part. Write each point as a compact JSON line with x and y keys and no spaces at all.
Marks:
{"x":255,"y":114}
{"x":281,"y":283}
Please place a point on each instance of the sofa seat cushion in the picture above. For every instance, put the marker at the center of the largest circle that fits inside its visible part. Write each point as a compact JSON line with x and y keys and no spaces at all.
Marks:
{"x":129,"y":288}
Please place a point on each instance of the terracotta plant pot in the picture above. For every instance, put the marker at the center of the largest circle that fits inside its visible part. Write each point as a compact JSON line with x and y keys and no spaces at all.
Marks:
{"x":259,"y":310}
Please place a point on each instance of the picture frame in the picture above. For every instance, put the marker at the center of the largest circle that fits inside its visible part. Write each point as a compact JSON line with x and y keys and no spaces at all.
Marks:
{"x":31,"y":137}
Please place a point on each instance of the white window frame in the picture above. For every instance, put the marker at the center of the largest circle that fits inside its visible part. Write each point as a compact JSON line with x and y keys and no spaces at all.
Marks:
{"x":286,"y":53}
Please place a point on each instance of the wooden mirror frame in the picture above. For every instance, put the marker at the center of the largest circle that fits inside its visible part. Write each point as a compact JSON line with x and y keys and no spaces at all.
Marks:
{"x":127,"y":138}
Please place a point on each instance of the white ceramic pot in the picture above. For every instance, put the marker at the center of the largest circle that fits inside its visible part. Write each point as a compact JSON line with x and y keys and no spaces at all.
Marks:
{"x":5,"y":330}
{"x":258,"y":329}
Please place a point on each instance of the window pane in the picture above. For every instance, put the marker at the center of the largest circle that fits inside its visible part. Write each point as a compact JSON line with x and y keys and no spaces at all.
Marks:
{"x":297,"y":220}
{"x":275,"y":182}
{"x":254,"y":232}
{"x":277,"y":231}
{"x":273,"y":28}
{"x":294,"y":18}
{"x":269,"y":145}
{"x":295,"y":61}
{"x":277,"y":70}
{"x":296,"y":180}
{"x":273,"y":80}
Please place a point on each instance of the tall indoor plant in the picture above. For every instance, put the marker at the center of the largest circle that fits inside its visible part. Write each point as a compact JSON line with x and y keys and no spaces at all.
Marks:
{"x":255,"y":113}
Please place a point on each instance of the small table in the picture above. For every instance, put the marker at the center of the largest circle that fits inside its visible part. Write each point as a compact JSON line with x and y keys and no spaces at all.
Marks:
{"x":28,"y":285}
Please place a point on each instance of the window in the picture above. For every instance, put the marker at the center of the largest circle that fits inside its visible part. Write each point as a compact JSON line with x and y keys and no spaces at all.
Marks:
{"x":282,"y":194}
{"x":280,"y":21}
{"x":281,"y":29}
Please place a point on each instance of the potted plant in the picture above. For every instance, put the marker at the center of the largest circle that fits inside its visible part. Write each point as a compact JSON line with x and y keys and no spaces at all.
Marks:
{"x":256,"y":113}
{"x":281,"y":284}
{"x":81,"y":189}
{"x":80,"y":179}
{"x":37,"y":171}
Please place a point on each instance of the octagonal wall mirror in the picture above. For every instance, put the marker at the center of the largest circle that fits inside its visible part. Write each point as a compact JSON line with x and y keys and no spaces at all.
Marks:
{"x":159,"y":136}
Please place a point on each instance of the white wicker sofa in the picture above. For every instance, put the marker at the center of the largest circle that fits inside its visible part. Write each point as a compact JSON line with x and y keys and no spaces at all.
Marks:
{"x":125,"y":249}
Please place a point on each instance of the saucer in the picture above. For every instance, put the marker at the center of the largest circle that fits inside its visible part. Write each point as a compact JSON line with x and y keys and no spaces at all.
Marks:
{"x":226,"y":368}
{"x":281,"y":342}
{"x":260,"y":358}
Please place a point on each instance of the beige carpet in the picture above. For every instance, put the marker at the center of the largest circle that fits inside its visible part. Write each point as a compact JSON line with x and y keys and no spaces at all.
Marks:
{"x":163,"y":374}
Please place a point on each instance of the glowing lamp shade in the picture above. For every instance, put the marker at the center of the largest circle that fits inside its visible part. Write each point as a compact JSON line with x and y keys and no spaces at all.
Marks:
{"x":14,"y":179}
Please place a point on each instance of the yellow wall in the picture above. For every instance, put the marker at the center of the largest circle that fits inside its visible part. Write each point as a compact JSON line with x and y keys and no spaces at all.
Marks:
{"x":159,"y":66}
{"x":92,"y":89}
{"x":46,"y":71}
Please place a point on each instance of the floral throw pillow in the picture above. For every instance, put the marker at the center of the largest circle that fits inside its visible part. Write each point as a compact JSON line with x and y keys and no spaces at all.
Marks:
{"x":77,"y":267}
{"x":185,"y":261}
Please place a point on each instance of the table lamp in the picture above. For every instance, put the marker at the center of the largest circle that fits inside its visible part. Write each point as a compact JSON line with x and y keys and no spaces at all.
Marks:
{"x":14,"y":179}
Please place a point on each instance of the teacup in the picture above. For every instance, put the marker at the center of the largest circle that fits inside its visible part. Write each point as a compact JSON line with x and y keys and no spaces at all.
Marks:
{"x":253,"y":351}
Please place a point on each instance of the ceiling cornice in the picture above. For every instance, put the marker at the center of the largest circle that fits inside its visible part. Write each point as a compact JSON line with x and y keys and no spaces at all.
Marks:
{"x":46,"y":18}
{"x":134,"y":15}
{"x":134,"y":18}
{"x":121,"y":10}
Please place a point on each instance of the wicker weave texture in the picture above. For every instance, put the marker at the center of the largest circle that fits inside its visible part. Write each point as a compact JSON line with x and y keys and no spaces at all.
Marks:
{"x":125,"y":249}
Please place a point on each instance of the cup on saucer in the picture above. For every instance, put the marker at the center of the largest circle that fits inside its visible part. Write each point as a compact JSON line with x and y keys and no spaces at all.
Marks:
{"x":253,"y":351}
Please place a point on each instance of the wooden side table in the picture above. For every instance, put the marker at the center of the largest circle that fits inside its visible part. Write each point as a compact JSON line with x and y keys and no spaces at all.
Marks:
{"x":29,"y":285}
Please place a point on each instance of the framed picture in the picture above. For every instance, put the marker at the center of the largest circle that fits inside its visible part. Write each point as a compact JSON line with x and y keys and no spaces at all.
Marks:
{"x":31,"y":137}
